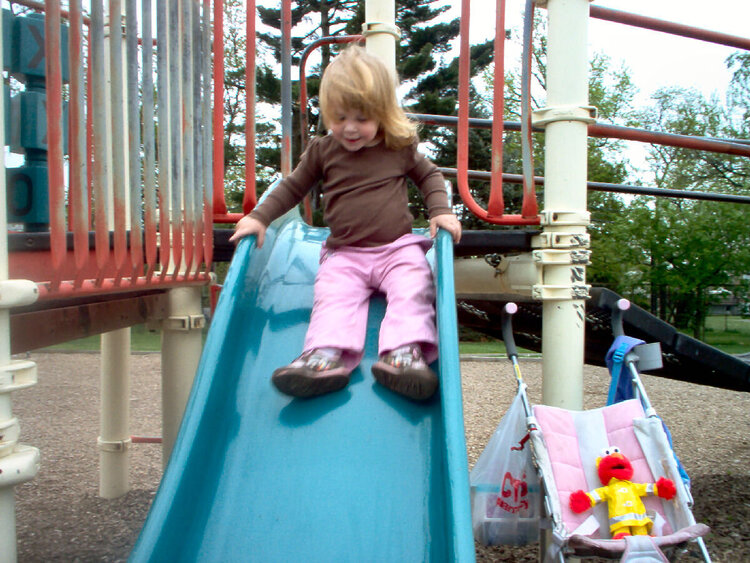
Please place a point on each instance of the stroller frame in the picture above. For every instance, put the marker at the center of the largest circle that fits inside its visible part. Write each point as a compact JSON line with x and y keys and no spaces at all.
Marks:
{"x":558,"y":543}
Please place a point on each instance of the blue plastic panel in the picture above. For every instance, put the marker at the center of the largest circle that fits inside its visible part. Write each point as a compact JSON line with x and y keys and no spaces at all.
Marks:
{"x":28,"y":194}
{"x":27,"y":56}
{"x":8,"y":22}
{"x":28,"y":122}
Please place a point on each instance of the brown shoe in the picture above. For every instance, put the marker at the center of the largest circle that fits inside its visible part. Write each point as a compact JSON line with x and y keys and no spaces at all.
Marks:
{"x":406,"y":373}
{"x":311,"y":374}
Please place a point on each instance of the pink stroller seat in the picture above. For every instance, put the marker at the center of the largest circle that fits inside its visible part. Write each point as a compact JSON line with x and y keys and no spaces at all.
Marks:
{"x":566,"y":451}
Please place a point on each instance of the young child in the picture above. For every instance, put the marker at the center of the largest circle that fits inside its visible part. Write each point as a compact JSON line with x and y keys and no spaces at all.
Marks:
{"x":363,"y":164}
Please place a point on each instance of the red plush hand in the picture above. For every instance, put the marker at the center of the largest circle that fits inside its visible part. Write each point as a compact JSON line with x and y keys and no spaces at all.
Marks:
{"x":580,"y":501}
{"x":665,"y":488}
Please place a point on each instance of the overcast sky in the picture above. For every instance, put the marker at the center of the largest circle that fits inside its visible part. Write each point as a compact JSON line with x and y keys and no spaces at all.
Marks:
{"x":654,"y":59}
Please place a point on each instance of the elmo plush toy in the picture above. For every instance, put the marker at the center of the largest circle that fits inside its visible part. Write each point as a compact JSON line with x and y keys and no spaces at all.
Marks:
{"x":627,"y":515}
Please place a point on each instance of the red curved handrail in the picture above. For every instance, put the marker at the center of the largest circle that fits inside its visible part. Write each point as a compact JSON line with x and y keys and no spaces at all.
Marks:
{"x":494,"y":214}
{"x":251,"y":197}
{"x":331,"y":40}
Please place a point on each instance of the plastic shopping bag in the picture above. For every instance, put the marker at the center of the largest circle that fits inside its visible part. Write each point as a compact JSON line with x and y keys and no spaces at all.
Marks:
{"x":505,"y":498}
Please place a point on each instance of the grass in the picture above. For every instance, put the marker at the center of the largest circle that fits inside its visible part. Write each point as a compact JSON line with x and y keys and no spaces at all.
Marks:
{"x":730,"y":334}
{"x":489,"y":347}
{"x":141,"y":340}
{"x":492,"y":347}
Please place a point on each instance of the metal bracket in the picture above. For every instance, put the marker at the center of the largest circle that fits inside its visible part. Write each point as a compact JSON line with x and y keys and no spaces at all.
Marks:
{"x":113,"y":445}
{"x":185,"y":323}
{"x":10,"y":431}
{"x":561,"y":257}
{"x":565,"y":218}
{"x":372,"y":28}
{"x":18,"y":374}
{"x":560,"y":292}
{"x":544,"y":116}
{"x":647,"y":357}
{"x":559,"y":239}
{"x":17,"y":293}
{"x":18,"y":467}
{"x":543,"y":4}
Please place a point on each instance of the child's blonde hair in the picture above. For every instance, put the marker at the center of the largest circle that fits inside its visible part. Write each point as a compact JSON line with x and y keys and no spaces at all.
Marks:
{"x":358,"y":80}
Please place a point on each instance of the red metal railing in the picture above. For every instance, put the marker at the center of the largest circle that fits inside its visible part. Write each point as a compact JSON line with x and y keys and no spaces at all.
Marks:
{"x":53,"y":72}
{"x":672,"y":28}
{"x":303,"y":125}
{"x":669,"y":139}
{"x":495,"y":209}
{"x":303,"y":76}
{"x":250,"y":199}
{"x":493,"y":213}
{"x":130,"y":242}
{"x":175,"y":237}
{"x":220,"y":206}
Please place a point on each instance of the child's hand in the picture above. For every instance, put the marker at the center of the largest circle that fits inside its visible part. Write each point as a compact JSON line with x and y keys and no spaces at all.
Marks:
{"x":249,"y":226}
{"x":449,"y":222}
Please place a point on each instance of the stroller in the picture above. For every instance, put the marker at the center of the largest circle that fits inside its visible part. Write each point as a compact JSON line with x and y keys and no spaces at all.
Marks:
{"x":563,"y":446}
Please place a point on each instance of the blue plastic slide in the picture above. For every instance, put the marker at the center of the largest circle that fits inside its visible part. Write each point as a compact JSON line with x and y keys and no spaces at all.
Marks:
{"x":358,"y":475}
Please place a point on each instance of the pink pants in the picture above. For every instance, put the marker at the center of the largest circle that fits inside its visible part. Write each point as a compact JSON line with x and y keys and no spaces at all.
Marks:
{"x":347,"y":278}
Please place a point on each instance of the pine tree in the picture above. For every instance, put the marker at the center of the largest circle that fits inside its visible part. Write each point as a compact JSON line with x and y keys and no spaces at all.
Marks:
{"x":424,"y":38}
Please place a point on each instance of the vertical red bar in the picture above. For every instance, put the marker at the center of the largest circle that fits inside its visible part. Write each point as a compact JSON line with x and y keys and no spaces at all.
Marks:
{"x":177,"y":119}
{"x":529,"y":206}
{"x":495,"y":206}
{"x":99,"y":140}
{"x":220,"y":206}
{"x":163,"y":138}
{"x":187,"y":130}
{"x":462,"y":130}
{"x":77,"y":189}
{"x":149,"y":141}
{"x":117,"y":125}
{"x":286,"y":39}
{"x":198,"y":119}
{"x":134,"y":93}
{"x":89,"y":130}
{"x":208,"y":231}
{"x":250,"y":198}
{"x":53,"y":66}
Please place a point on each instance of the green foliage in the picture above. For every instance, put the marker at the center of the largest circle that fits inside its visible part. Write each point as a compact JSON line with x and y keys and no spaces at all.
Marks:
{"x":670,"y":253}
{"x":611,"y":91}
{"x":665,"y":254}
{"x":728,"y":333}
{"x":422,"y":40}
{"x":676,"y":251}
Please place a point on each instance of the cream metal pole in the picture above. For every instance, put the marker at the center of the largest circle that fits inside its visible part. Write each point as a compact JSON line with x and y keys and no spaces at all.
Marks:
{"x":18,"y":463}
{"x":381,"y":31}
{"x":114,"y":434}
{"x":114,"y":413}
{"x":565,"y":218}
{"x":181,"y":351}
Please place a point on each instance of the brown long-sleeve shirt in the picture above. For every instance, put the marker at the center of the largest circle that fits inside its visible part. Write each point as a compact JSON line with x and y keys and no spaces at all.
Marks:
{"x":364,"y":192}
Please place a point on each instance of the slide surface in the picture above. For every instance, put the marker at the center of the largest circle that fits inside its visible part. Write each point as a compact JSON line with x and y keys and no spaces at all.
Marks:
{"x":358,"y":475}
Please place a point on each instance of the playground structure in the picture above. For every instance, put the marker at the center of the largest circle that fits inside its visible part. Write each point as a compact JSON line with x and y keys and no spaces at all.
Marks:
{"x":114,"y":251}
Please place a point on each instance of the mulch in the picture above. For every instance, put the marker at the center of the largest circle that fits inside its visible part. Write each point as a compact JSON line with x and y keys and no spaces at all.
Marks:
{"x":60,"y":516}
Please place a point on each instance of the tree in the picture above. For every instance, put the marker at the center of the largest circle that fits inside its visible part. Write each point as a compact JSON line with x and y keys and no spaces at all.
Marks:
{"x":611,"y":91}
{"x":423,"y":39}
{"x":673,"y":252}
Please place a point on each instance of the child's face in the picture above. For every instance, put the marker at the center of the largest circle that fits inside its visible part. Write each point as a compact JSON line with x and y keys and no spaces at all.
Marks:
{"x":354,"y":130}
